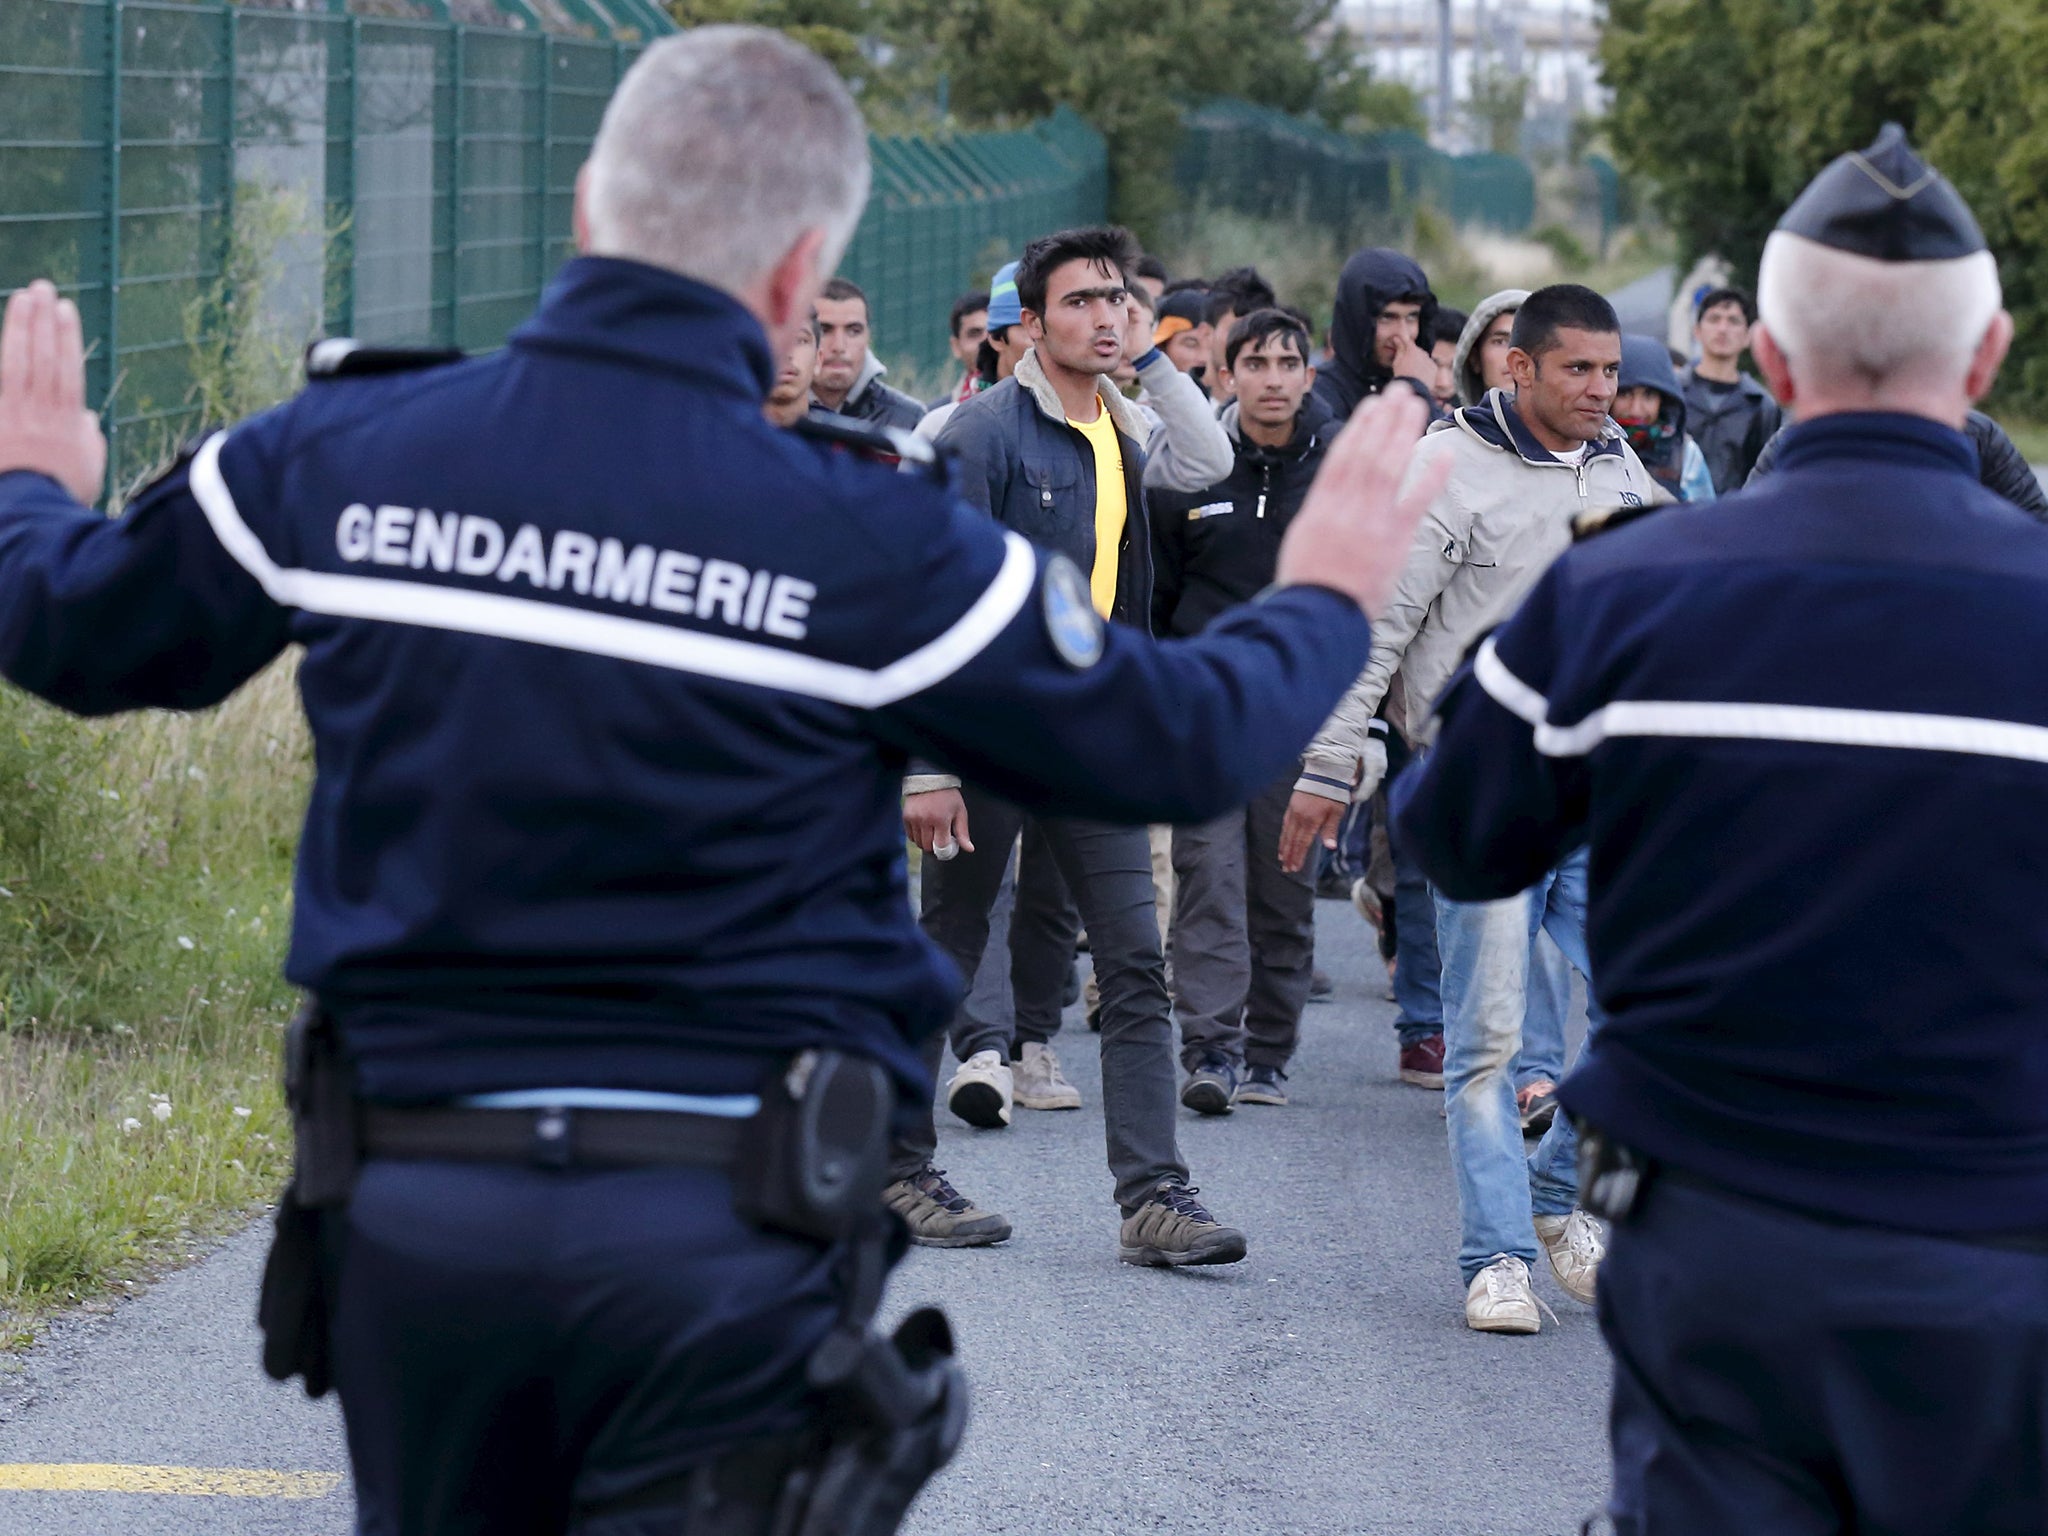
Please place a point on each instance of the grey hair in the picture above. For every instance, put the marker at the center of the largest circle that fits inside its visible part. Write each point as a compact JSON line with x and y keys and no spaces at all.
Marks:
{"x":720,"y":149}
{"x":1842,"y":319}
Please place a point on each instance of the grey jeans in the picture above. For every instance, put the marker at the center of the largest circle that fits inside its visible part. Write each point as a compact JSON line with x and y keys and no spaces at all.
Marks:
{"x":1109,"y":872}
{"x":1244,"y":936}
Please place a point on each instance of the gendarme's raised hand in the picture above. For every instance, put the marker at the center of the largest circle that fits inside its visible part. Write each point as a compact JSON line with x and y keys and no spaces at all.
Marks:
{"x":44,"y":424}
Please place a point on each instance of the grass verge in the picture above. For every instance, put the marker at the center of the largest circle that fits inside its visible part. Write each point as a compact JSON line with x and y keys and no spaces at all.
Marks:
{"x":145,"y":868}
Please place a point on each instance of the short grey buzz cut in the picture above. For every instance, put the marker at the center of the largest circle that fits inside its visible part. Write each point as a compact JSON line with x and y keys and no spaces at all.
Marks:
{"x":721,"y":147}
{"x":1846,"y":320}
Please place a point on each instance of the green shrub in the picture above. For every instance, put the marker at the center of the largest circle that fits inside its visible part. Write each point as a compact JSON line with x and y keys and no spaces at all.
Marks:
{"x":145,"y":868}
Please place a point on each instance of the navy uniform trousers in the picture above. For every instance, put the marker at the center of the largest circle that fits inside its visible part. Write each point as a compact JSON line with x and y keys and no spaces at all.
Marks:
{"x":515,"y":1347}
{"x":1780,"y":1375}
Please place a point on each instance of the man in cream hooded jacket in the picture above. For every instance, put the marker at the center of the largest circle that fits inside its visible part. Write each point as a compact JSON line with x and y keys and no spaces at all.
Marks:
{"x":1522,"y":469}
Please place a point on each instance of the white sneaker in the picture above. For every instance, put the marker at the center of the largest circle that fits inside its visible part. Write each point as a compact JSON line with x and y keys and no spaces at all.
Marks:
{"x":1499,"y":1299}
{"x":1040,"y":1083}
{"x":981,"y":1091}
{"x":1576,"y":1247}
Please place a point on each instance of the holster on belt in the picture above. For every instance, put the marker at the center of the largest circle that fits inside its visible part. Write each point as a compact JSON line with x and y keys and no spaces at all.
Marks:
{"x":292,"y":1307}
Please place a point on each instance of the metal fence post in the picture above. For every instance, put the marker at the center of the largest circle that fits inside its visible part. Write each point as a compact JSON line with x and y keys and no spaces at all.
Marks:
{"x":230,"y":45}
{"x":344,"y":246}
{"x":456,"y":35}
{"x":547,"y":160}
{"x":112,"y":255}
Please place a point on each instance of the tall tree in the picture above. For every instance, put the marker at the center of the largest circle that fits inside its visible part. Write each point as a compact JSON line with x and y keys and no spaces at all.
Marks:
{"x":1130,"y":70}
{"x":1728,"y":108}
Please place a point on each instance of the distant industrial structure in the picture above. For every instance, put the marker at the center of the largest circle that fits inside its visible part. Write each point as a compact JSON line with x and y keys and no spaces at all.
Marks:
{"x":1440,"y":48}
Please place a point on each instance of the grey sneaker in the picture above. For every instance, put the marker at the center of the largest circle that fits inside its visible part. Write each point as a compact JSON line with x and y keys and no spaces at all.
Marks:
{"x":1576,"y":1247}
{"x":939,"y":1216}
{"x":1039,"y":1082}
{"x":1174,"y":1228}
{"x":1211,"y":1088}
{"x":1263,"y":1085}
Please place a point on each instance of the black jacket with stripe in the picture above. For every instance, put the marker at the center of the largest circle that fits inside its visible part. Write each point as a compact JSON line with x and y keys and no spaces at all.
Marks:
{"x":1215,"y":548}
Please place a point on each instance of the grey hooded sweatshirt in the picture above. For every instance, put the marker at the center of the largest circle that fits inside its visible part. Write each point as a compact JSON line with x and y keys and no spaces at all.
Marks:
{"x":1465,"y":362}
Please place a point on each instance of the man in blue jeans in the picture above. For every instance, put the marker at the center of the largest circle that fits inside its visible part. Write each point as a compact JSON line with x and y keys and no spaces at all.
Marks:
{"x":1523,"y":466}
{"x":1513,"y":1203}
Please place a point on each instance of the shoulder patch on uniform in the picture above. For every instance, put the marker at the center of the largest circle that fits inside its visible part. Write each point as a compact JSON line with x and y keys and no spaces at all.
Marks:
{"x":343,"y":357}
{"x":1586,"y":525}
{"x":1071,"y":622}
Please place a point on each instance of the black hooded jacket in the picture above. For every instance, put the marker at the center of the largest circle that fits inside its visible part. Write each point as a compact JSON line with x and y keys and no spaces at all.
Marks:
{"x":1372,"y":279}
{"x":1645,"y":364}
{"x":1214,"y":549}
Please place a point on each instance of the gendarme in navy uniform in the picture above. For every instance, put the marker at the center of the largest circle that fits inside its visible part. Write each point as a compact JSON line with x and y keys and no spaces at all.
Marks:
{"x":1804,"y":732}
{"x":601,"y":896}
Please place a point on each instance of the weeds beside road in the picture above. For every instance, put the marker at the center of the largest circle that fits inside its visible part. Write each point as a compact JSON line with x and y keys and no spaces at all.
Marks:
{"x":145,"y":869}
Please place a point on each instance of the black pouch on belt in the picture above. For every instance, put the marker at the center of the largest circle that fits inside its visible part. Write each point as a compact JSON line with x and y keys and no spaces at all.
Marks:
{"x":291,"y":1308}
{"x":812,"y":1161}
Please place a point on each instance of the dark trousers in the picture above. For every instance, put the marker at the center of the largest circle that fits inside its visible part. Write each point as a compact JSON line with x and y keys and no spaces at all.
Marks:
{"x":1418,"y":970}
{"x":514,"y":1344}
{"x":1778,"y":1375}
{"x":987,"y":1014}
{"x":1244,"y":935}
{"x":1032,"y":929}
{"x":1108,"y":870}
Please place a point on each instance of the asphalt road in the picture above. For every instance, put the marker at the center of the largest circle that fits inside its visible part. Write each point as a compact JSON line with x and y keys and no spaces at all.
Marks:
{"x":1328,"y":1384}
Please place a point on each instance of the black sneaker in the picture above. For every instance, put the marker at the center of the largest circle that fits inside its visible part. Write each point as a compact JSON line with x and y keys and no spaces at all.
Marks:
{"x":1320,"y":986}
{"x":1263,"y":1085}
{"x":1212,"y":1086}
{"x":1173,"y":1228}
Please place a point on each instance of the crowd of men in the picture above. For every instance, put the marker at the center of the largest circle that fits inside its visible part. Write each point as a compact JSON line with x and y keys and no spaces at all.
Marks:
{"x":1162,"y":431}
{"x":1508,"y":626}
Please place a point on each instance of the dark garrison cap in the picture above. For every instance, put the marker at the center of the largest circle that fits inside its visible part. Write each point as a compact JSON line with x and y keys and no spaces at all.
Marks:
{"x":1886,"y":203}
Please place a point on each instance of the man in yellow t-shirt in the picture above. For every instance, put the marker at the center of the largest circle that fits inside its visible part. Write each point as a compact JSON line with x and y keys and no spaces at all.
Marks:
{"x":1112,"y":507}
{"x":1056,"y":454}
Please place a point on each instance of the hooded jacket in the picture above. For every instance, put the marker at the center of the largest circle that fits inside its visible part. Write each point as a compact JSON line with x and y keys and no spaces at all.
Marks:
{"x":872,"y":400}
{"x":1730,"y":425}
{"x":1217,"y":547}
{"x":1670,"y":455}
{"x":1492,"y":531}
{"x":1465,"y":363}
{"x":2001,"y":467}
{"x":1372,"y":279}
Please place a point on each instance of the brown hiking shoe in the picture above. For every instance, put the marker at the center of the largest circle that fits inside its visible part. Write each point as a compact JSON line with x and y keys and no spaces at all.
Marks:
{"x":1173,"y":1227}
{"x":939,"y":1216}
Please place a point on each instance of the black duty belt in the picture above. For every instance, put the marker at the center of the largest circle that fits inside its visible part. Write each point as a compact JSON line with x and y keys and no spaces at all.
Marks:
{"x":552,"y":1136}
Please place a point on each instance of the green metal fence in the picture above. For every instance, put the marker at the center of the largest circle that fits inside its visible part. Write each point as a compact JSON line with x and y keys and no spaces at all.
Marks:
{"x":429,"y":151}
{"x":946,"y":212}
{"x":431,"y":159}
{"x":1267,"y":164}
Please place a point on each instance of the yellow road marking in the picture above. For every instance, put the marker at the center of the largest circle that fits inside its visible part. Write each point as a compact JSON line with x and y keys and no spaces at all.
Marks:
{"x":197,"y":1482}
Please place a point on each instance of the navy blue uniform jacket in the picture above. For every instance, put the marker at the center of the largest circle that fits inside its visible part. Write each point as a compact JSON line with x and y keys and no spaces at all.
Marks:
{"x":1804,"y":731}
{"x":611,"y":685}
